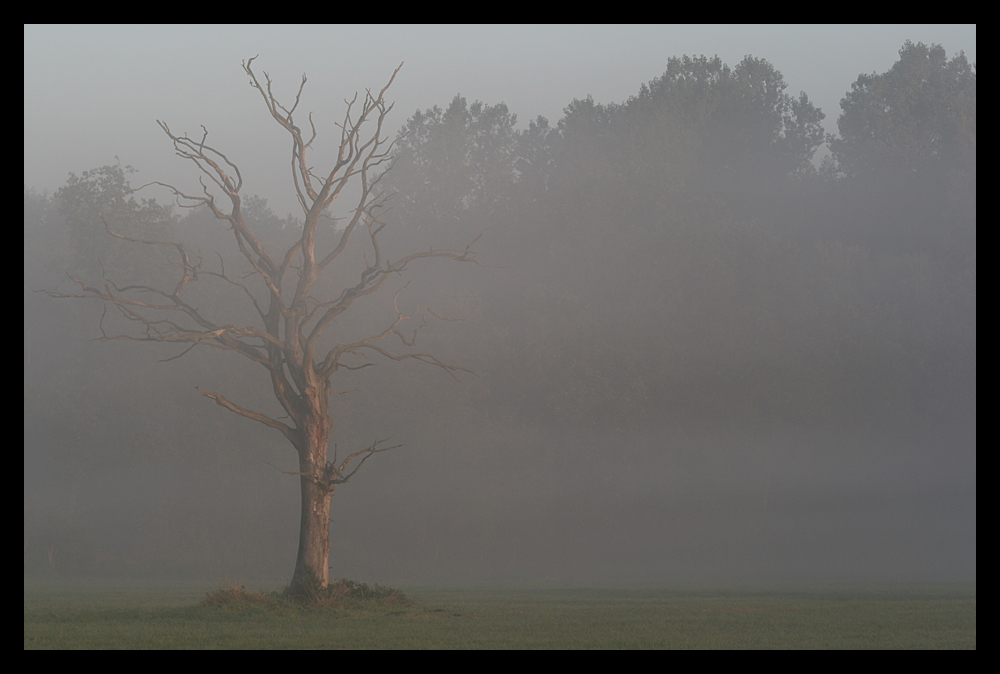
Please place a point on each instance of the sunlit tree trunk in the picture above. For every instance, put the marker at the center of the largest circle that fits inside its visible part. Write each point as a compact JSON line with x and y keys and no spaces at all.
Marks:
{"x":312,"y":563}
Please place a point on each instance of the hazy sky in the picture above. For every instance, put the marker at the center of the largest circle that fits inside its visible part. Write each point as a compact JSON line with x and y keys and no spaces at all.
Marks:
{"x":93,"y":92}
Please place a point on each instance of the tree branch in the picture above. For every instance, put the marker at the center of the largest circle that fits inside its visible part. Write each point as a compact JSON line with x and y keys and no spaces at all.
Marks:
{"x":332,"y":474}
{"x":286,"y":341}
{"x":222,"y":401}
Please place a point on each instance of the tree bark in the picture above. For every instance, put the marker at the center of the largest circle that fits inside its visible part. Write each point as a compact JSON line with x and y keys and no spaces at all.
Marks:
{"x":312,"y":563}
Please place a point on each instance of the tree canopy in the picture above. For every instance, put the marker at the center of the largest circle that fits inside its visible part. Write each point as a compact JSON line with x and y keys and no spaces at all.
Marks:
{"x":908,"y":138}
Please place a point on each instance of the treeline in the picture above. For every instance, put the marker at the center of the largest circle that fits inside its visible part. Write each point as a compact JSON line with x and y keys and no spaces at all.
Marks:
{"x":680,"y":255}
{"x":673,"y":263}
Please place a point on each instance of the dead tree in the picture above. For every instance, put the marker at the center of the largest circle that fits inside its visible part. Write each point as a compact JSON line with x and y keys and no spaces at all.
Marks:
{"x":286,"y":340}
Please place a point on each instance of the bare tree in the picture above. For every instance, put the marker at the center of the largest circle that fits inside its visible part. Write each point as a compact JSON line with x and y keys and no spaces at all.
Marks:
{"x":286,"y":341}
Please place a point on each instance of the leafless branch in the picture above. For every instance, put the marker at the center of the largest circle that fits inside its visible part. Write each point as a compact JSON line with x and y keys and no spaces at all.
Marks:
{"x":334,"y":474}
{"x":292,"y":319}
{"x":222,"y":401}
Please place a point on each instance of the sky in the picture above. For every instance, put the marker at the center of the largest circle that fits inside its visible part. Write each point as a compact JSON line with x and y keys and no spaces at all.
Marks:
{"x":92,"y":93}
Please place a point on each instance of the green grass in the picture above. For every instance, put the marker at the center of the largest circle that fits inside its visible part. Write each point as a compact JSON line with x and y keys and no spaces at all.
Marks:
{"x":143,"y":615}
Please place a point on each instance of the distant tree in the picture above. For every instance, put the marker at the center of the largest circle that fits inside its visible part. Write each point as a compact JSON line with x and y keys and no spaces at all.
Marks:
{"x":920,"y":112}
{"x":106,"y":192}
{"x":457,"y":160}
{"x":288,"y":292}
{"x":741,"y":116}
{"x":907,"y":152}
{"x":40,"y":249}
{"x":700,"y":133}
{"x":721,"y":120}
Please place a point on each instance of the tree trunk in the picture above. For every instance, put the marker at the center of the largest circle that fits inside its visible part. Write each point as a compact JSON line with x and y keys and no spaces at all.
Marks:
{"x":312,"y":564}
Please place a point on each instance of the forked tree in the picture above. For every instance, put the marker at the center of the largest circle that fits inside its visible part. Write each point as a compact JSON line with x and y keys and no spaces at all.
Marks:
{"x":286,"y":341}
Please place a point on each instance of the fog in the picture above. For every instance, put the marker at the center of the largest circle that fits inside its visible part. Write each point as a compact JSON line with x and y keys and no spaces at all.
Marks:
{"x":701,"y":353}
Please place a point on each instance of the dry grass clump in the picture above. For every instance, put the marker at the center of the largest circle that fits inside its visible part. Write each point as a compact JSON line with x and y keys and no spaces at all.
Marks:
{"x":238,"y":596}
{"x":340,"y":593}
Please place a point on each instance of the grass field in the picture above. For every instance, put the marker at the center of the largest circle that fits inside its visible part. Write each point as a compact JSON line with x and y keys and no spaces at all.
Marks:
{"x":60,"y":615}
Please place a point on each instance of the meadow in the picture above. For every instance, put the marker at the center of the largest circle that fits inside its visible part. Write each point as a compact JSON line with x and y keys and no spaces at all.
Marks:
{"x":141,"y":615}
